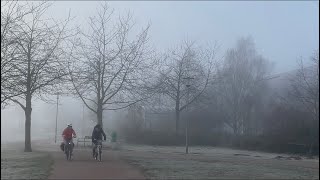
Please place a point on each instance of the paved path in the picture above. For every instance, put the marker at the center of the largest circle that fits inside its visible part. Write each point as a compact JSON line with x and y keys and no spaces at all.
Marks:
{"x":83,"y":166}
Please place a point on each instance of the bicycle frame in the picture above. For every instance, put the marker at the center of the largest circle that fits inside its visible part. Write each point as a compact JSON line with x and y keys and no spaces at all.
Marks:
{"x":68,"y":147}
{"x":99,"y":150}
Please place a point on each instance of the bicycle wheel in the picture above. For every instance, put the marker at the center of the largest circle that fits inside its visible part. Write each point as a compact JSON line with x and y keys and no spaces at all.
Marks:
{"x":69,"y":155}
{"x":66,"y":149}
{"x":99,"y":153}
{"x":96,"y":154}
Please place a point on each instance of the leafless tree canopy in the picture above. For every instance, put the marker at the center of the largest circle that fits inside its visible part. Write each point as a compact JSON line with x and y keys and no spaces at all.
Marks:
{"x":12,"y":14}
{"x":182,"y":66}
{"x":305,"y":85}
{"x":33,"y":56}
{"x":108,"y":63}
{"x":243,"y":76}
{"x":305,"y":92}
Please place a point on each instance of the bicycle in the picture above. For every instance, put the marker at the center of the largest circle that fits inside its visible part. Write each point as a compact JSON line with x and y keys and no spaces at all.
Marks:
{"x":98,"y":150}
{"x":68,"y":147}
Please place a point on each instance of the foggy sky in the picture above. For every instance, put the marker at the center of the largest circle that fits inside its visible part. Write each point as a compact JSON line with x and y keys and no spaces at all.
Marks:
{"x":283,"y":31}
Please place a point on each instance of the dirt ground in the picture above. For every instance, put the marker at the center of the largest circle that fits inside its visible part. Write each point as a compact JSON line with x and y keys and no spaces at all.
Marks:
{"x":83,"y":166}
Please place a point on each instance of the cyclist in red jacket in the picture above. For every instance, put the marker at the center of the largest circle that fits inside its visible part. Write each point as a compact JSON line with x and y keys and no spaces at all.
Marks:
{"x":67,"y":135}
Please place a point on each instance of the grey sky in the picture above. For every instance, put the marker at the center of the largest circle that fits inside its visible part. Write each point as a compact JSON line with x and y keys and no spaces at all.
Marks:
{"x":283,"y":31}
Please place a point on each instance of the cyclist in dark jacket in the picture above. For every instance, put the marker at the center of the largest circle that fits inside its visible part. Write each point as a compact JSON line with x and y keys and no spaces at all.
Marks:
{"x":97,"y":134}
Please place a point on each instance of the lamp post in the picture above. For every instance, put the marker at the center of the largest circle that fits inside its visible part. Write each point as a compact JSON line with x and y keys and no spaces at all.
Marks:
{"x":83,"y":125}
{"x":55,"y":136}
{"x":187,"y":123}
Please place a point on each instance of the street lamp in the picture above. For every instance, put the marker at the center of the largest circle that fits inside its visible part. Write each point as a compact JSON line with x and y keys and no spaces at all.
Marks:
{"x":187,"y":123}
{"x":55,"y":136}
{"x":83,"y":125}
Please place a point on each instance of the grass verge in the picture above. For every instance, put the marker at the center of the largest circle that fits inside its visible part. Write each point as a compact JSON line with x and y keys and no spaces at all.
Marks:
{"x":22,"y":165}
{"x":164,"y":164}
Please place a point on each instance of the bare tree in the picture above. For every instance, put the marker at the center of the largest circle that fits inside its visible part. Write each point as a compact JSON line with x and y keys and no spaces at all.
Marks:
{"x":38,"y":59}
{"x":108,"y":69}
{"x":242,"y":83}
{"x":186,"y":61}
{"x":12,"y":13}
{"x":305,"y":92}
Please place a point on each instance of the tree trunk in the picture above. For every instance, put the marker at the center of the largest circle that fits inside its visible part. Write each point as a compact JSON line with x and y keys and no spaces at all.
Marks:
{"x":27,"y":143}
{"x":178,"y":109}
{"x":177,"y":120}
{"x":310,"y":152}
{"x":312,"y":138}
{"x":99,"y":114}
{"x":235,"y":130}
{"x":28,"y":109}
{"x":234,"y":126}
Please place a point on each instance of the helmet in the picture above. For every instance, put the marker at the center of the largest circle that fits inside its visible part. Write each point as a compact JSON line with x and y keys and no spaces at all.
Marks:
{"x":69,"y":125}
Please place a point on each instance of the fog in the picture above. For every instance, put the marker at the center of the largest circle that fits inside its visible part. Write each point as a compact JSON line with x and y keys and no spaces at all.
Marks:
{"x":280,"y":33}
{"x":70,"y":110}
{"x":213,"y":35}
